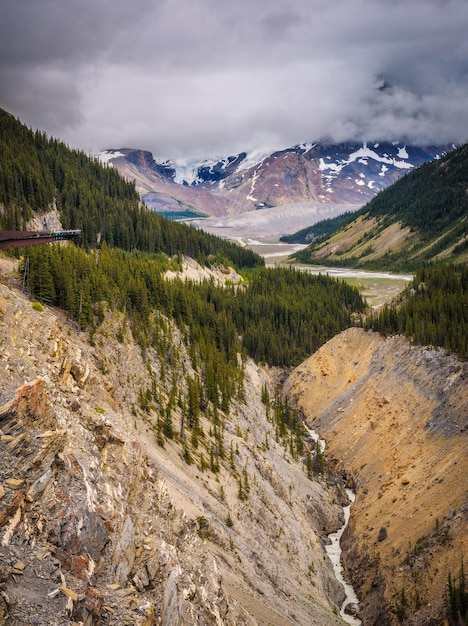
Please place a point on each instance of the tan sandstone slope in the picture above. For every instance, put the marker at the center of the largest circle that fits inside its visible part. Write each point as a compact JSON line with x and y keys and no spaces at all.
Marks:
{"x":100,"y":525}
{"x":395,"y":418}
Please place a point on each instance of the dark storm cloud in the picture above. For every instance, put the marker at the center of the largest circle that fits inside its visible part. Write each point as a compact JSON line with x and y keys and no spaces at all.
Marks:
{"x":48,"y":47}
{"x":198,"y":77}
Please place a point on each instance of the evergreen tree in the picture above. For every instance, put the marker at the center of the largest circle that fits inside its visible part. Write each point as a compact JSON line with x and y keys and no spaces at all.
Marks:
{"x":433,"y":310}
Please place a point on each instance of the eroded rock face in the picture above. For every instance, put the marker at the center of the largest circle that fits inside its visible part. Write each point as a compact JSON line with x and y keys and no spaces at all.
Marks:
{"x":100,"y":525}
{"x":29,"y":406}
{"x":395,"y":419}
{"x":92,"y":563}
{"x":79,"y":534}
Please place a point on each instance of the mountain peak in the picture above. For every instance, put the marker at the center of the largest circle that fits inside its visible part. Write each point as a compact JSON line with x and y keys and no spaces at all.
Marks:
{"x":345,"y":173}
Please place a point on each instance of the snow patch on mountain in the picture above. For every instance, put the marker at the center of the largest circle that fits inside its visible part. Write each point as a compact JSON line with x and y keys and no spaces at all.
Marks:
{"x":362,"y":155}
{"x":253,"y":158}
{"x":186,"y":172}
{"x":252,"y":187}
{"x":306,"y":147}
{"x":107,"y":156}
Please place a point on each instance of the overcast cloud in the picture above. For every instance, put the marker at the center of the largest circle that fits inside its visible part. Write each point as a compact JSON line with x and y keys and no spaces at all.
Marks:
{"x":211,"y":77}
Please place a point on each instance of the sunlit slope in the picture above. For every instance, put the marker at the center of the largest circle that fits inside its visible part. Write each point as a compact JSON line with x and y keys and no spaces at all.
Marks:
{"x":421,"y":218}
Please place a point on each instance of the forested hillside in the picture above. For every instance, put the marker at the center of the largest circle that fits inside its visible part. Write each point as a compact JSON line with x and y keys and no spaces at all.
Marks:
{"x":280,"y":316}
{"x":151,"y":395}
{"x":319,"y":229}
{"x":421,"y":218}
{"x":430,"y":198}
{"x":433,"y":310}
{"x":38,"y":173}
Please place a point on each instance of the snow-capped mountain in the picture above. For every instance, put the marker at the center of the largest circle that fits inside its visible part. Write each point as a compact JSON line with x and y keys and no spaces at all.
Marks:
{"x":329,"y":174}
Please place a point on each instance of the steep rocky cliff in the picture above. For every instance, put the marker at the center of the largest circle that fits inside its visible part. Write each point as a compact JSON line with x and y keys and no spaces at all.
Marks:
{"x":101,"y":525}
{"x":395,"y":418}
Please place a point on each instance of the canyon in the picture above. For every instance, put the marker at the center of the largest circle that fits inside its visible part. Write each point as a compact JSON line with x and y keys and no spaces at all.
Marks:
{"x":151,"y":473}
{"x":101,"y":525}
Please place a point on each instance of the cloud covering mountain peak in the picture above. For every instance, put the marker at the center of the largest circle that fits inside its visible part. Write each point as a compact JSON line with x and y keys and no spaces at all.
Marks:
{"x":204,"y":77}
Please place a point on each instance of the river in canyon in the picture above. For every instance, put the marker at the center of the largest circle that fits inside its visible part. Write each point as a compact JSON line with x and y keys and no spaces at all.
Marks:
{"x":333,"y":549}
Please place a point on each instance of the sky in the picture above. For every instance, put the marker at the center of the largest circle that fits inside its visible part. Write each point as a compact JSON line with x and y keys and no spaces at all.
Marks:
{"x":193,"y":78}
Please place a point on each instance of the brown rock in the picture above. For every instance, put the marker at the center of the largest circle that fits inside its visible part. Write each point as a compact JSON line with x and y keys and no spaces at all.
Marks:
{"x":92,"y":602}
{"x":416,"y":406}
{"x":18,"y":567}
{"x":31,"y":404}
{"x":39,"y":485}
{"x":14,"y":483}
{"x":79,"y":532}
{"x":4,"y":572}
{"x":55,"y":443}
{"x":14,"y":443}
{"x":8,"y":511}
{"x":69,"y":592}
{"x":124,"y":555}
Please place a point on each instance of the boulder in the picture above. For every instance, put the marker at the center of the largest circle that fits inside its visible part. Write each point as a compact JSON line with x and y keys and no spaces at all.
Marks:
{"x":383,"y":534}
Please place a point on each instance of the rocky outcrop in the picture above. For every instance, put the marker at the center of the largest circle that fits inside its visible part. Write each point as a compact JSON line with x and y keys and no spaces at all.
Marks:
{"x":395,"y":420}
{"x":93,"y":548}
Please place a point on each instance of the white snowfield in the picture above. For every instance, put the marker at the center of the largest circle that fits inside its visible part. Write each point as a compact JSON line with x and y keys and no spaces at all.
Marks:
{"x":187,"y":170}
{"x":107,"y":156}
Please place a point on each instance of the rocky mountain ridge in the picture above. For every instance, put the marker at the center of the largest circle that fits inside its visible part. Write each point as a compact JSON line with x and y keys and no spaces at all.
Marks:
{"x":101,"y":525}
{"x":317,"y":172}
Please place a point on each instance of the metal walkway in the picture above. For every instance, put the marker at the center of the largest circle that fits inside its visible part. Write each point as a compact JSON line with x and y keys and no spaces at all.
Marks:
{"x":20,"y":238}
